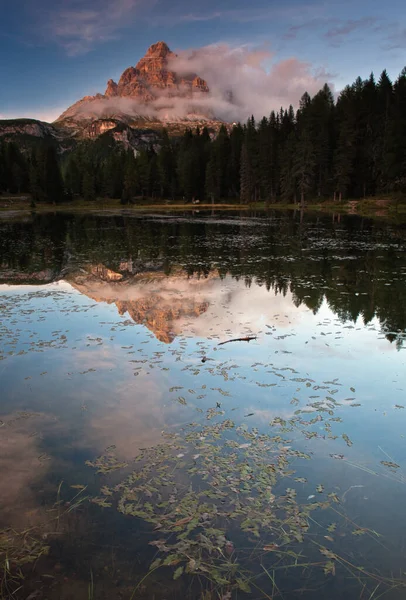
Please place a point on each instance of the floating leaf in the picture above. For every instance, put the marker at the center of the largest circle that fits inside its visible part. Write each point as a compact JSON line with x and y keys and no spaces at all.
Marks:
{"x":270,"y":547}
{"x":178,"y":572}
{"x":243,"y":585}
{"x":346,"y":439}
{"x":359,"y":531}
{"x":330,"y":568}
{"x":390,"y":464}
{"x":327,"y":553}
{"x":157,"y":562}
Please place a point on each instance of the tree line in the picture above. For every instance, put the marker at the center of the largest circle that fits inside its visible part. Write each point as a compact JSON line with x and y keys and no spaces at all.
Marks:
{"x":350,"y":148}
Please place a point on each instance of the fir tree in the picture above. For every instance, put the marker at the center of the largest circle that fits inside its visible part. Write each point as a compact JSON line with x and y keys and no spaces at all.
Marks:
{"x":54,"y":189}
{"x":247,"y":183}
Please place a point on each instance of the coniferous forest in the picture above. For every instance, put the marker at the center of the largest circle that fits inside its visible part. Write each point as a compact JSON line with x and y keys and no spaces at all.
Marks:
{"x":353,"y":147}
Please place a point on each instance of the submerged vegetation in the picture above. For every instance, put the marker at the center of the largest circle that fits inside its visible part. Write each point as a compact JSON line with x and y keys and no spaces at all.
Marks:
{"x":225,"y":507}
{"x":17,"y":550}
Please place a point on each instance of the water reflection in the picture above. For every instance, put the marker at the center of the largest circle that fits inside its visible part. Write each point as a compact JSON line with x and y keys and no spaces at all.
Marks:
{"x":23,"y":465}
{"x":119,"y":347}
{"x":357,"y":266}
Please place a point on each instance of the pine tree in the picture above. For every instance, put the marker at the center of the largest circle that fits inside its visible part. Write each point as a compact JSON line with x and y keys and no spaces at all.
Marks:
{"x":236,"y":142}
{"x":153,"y":177}
{"x":130,"y":179}
{"x":321,"y":115}
{"x":54,"y":190}
{"x":218,"y":183}
{"x":16,"y":169}
{"x":213,"y":177}
{"x":345,"y":152}
{"x":73,"y":177}
{"x":166,"y":165}
{"x":142,"y":172}
{"x":252,"y":149}
{"x":385,"y":99}
{"x":287,"y":172}
{"x":36,"y":178}
{"x":88,"y":183}
{"x":394,"y":159}
{"x":304,"y":162}
{"x":264,"y":159}
{"x":367,"y":137}
{"x":3,"y":168}
{"x":189,"y":167}
{"x":247,"y":182}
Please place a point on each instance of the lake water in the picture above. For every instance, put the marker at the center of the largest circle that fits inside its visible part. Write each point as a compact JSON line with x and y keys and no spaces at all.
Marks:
{"x":131,"y":436}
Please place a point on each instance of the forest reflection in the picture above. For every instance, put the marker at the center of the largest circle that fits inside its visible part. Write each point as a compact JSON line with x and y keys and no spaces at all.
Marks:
{"x":169,"y":265}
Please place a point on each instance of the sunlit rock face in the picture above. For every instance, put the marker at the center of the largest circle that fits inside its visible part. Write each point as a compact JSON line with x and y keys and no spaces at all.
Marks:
{"x":159,"y":314}
{"x":150,"y":90}
{"x":159,"y":302}
{"x":12,"y":127}
{"x":151,"y":75}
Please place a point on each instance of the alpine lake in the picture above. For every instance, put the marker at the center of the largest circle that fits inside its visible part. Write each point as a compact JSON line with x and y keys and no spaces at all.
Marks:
{"x":203,"y":406}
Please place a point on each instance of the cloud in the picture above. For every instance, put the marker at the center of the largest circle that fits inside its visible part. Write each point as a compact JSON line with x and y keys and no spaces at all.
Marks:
{"x":78,"y":26}
{"x":234,"y":15}
{"x":307,"y":27}
{"x":396,"y":39}
{"x":332,"y":29}
{"x":21,"y":466}
{"x":336,"y":35}
{"x":242,"y":81}
{"x":176,"y":13}
{"x":245,"y":81}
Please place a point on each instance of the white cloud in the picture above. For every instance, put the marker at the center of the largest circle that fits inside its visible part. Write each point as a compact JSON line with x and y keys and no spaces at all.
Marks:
{"x":257,"y":82}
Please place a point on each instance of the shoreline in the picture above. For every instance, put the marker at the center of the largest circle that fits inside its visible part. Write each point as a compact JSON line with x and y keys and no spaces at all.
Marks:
{"x":386,"y":209}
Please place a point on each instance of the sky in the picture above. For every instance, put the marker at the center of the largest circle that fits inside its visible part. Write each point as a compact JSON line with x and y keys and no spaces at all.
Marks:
{"x":53,"y":52}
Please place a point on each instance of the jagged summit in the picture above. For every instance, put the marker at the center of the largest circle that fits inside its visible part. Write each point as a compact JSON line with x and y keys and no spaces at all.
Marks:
{"x":160,"y":49}
{"x":151,"y":89}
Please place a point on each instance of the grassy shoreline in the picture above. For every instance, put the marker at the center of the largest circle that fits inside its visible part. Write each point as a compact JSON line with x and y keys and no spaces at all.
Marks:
{"x":384,"y":208}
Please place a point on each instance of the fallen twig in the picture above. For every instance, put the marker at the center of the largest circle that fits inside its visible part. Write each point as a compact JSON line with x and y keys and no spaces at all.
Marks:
{"x":244,"y":339}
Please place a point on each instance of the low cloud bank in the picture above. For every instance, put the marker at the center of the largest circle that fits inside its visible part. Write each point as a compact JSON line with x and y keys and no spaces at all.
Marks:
{"x":242,"y":83}
{"x":245,"y":82}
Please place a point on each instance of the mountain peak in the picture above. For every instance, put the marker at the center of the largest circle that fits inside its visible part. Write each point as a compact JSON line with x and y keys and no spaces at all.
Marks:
{"x":158,"y":50}
{"x":152,"y":88}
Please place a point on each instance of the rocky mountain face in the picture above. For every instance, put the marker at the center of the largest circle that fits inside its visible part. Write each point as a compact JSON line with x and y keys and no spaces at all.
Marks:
{"x":150,"y":91}
{"x":151,"y":75}
{"x":159,"y":302}
{"x":9,"y":128}
{"x":27,"y":132}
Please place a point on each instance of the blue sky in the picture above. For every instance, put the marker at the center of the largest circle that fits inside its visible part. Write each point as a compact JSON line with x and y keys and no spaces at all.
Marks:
{"x":53,"y":52}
